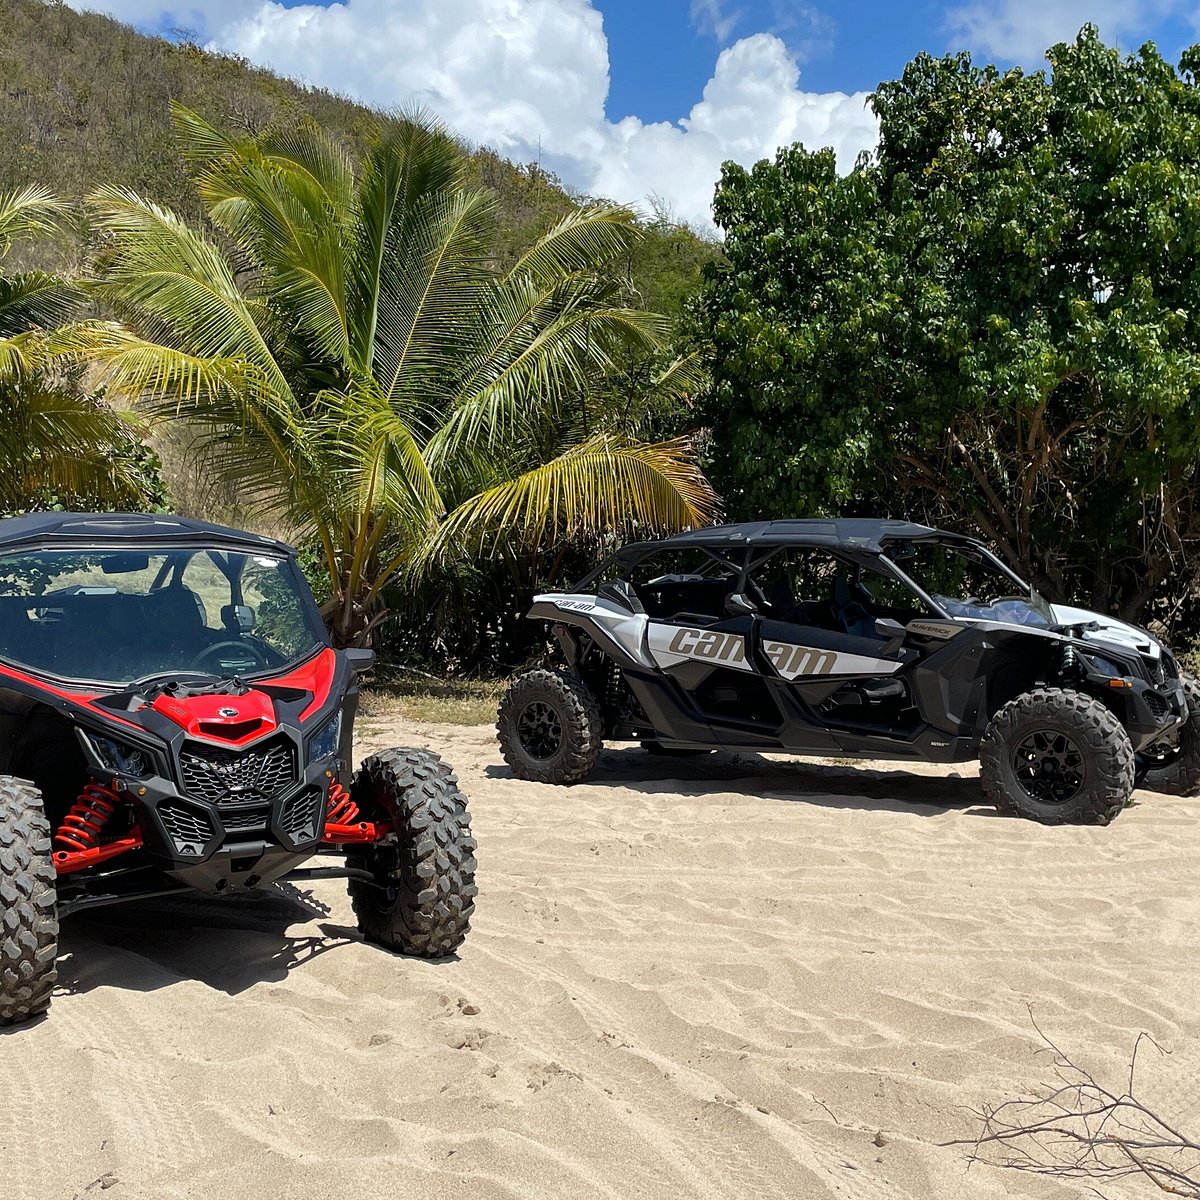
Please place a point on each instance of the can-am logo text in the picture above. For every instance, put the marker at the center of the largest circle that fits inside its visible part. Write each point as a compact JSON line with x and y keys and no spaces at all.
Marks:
{"x":791,"y":660}
{"x":700,"y":643}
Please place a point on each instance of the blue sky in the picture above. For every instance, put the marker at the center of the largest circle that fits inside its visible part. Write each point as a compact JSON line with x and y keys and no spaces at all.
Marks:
{"x":642,"y":100}
{"x":836,"y":54}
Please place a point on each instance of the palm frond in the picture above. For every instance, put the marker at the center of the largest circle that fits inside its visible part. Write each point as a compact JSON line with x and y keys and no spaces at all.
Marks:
{"x":35,"y":299}
{"x":292,"y":228}
{"x":200,"y":142}
{"x":287,"y":200}
{"x":378,"y":489}
{"x":59,"y":442}
{"x":162,"y":271}
{"x":603,"y":486}
{"x":29,"y":210}
{"x":164,"y":379}
{"x":377,"y":453}
{"x":430,"y":296}
{"x":22,"y":355}
{"x":550,"y":344}
{"x":582,"y":241}
{"x":308,"y":151}
{"x":411,"y":172}
{"x":647,"y":391}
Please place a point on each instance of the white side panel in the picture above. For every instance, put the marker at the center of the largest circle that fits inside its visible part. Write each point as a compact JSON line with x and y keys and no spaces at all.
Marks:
{"x":673,"y":644}
{"x":1110,"y":629}
{"x":627,"y":629}
{"x":794,"y":662}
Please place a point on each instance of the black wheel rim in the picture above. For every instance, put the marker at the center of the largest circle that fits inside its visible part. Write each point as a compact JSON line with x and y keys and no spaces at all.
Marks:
{"x":540,"y":730}
{"x":1049,"y":766}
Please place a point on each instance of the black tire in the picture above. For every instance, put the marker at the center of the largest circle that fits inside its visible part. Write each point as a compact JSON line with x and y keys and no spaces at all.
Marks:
{"x":1178,"y":774}
{"x":550,"y":727}
{"x":28,"y":904}
{"x":425,"y":892}
{"x":1058,"y":757}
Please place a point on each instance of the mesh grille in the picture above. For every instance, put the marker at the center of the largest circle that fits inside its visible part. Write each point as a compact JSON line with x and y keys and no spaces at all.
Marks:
{"x":184,"y":823}
{"x":230,"y":776}
{"x":1158,"y":705}
{"x":248,"y":819}
{"x":302,"y":815}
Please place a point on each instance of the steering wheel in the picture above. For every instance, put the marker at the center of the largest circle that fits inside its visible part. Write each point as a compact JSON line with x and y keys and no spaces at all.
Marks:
{"x":198,"y":662}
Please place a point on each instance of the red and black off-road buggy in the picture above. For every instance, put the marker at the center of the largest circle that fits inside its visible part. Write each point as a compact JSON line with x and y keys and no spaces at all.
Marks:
{"x":173,"y":717}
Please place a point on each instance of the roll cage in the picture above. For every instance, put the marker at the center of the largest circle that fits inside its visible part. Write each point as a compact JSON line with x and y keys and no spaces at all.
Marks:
{"x":745,"y":555}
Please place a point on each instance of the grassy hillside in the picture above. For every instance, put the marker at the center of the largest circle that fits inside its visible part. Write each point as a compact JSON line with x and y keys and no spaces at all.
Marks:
{"x":84,"y":101}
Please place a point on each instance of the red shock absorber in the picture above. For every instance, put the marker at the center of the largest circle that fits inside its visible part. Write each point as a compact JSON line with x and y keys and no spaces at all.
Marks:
{"x":82,"y":826}
{"x":341,"y":810}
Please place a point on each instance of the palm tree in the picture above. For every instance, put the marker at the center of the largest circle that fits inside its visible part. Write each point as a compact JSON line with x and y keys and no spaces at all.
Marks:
{"x":56,"y":443}
{"x":349,"y":353}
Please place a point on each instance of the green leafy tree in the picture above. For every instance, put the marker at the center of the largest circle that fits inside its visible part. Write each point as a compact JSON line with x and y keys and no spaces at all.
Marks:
{"x":354,"y":359}
{"x":59,"y":446}
{"x":992,"y":322}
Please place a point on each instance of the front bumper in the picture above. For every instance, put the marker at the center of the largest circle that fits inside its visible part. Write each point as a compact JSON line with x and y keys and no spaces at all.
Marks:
{"x":1154,"y":711}
{"x":230,"y":817}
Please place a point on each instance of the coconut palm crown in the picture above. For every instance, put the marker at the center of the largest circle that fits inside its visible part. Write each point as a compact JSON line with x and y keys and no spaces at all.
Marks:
{"x":352,"y":356}
{"x":57,"y":443}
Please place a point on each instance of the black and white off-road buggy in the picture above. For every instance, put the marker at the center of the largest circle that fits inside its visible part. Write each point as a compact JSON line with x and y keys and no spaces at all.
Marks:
{"x":861,"y":638}
{"x":173,"y":717}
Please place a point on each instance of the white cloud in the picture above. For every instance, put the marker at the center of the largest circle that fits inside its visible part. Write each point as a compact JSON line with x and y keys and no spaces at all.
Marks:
{"x":511,"y":75}
{"x":715,"y":17}
{"x":199,"y":17}
{"x":1021,"y":31}
{"x":530,"y":77}
{"x":751,"y":106}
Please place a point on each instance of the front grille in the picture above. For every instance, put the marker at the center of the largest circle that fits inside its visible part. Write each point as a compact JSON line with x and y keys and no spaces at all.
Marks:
{"x":223,"y":776}
{"x":303,"y":815}
{"x":187,"y":826}
{"x":1159,"y":706}
{"x":248,"y":819}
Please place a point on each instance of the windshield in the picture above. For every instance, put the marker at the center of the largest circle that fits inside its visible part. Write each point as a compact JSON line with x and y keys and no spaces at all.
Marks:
{"x":967,"y":583}
{"x":116,"y":616}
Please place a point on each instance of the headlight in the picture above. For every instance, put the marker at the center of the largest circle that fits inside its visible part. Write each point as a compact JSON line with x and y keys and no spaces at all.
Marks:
{"x":1102,"y":667}
{"x":119,"y":757}
{"x":327,"y":739}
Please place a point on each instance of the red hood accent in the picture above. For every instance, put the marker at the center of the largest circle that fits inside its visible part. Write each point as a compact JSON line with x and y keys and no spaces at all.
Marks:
{"x":233,"y":719}
{"x":84,"y":699}
{"x":316,"y":677}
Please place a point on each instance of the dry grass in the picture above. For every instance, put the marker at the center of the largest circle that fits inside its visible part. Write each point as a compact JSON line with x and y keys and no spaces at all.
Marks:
{"x":434,"y":701}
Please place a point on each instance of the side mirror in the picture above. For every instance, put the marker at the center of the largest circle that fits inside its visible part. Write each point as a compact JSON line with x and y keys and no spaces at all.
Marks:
{"x":362,"y":660}
{"x":739,"y":605}
{"x":892,"y":631}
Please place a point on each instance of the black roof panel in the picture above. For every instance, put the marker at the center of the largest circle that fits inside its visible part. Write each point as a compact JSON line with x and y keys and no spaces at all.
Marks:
{"x":139,"y":529}
{"x":847,"y":533}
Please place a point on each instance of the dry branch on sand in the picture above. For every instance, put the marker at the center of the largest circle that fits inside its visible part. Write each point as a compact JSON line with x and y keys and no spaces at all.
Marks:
{"x":1079,"y":1128}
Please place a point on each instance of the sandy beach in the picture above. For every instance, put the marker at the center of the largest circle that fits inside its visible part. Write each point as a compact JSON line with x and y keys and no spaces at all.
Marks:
{"x":686,"y":978}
